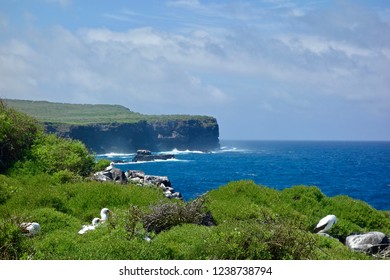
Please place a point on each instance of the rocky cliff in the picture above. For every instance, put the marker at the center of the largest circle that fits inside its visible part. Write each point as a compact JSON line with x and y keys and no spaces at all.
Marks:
{"x":192,"y":134}
{"x":115,"y":128}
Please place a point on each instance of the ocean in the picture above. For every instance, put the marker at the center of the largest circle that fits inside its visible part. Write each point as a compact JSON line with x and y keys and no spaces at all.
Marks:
{"x":360,"y":170}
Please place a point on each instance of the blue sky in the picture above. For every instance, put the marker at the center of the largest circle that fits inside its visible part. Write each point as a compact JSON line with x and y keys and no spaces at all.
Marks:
{"x":266,"y":69}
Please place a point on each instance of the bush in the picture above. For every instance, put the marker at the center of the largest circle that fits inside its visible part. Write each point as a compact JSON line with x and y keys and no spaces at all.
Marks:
{"x":270,"y":225}
{"x":5,"y":188}
{"x":101,"y":165}
{"x":11,"y":238}
{"x":266,"y":238}
{"x":167,"y":215}
{"x":53,"y":154}
{"x":184,"y":242}
{"x":66,"y":176}
{"x":17,"y":133}
{"x":239,"y":201}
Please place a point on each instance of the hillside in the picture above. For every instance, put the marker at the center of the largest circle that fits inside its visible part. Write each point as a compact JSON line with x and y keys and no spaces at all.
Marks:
{"x":114,"y":128}
{"x":51,"y":112}
{"x":245,"y":221}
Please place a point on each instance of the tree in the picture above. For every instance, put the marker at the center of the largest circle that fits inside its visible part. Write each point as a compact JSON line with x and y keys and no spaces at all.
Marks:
{"x":17,"y":133}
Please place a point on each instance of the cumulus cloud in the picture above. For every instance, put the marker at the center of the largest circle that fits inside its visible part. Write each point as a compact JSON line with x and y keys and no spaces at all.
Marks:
{"x":99,"y":65}
{"x":281,"y":58}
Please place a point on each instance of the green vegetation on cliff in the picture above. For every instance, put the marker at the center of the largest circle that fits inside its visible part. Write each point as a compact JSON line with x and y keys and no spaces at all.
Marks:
{"x":114,"y":128}
{"x":24,"y":145}
{"x":52,"y":112}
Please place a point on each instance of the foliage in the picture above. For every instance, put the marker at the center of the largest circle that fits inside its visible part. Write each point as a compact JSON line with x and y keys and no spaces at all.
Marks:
{"x":11,"y":239}
{"x":167,"y":215}
{"x":86,"y":113}
{"x":252,"y":222}
{"x":51,"y":154}
{"x":101,"y":165}
{"x":55,"y":154}
{"x":17,"y":133}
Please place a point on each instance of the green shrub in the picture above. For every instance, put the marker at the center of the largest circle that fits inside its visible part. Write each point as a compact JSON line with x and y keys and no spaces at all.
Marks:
{"x":54,"y":154}
{"x":101,"y":165}
{"x":239,"y":200}
{"x":85,"y":200}
{"x":332,"y":249}
{"x":252,"y":222}
{"x":36,"y":192}
{"x":52,"y":220}
{"x":66,"y":176}
{"x":17,"y":133}
{"x":360,"y":213}
{"x":267,"y":238}
{"x":6,"y":188}
{"x":184,"y":242}
{"x":11,"y":239}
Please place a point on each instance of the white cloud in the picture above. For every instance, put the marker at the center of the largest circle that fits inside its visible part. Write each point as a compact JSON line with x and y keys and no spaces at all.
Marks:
{"x":289,"y":64}
{"x":140,"y":65}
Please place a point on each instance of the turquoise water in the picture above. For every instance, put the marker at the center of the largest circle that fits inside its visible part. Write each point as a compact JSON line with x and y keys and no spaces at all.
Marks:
{"x":360,"y":170}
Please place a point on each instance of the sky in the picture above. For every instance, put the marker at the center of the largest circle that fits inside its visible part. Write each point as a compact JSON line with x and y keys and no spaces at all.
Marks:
{"x":266,"y":69}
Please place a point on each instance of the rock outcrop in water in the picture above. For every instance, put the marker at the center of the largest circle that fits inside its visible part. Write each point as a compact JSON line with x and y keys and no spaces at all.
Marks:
{"x":146,"y":155}
{"x":192,"y":134}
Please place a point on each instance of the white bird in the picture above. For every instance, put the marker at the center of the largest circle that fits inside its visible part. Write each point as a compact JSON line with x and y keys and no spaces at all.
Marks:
{"x":85,"y":228}
{"x":111,"y":166}
{"x":105,"y":214}
{"x":325,"y":224}
{"x":31,"y":229}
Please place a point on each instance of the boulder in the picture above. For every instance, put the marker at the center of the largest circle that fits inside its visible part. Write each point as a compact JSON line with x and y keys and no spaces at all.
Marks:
{"x":111,"y":174}
{"x":131,"y":174}
{"x":137,"y":177}
{"x":370,"y":242}
{"x":157,"y":180}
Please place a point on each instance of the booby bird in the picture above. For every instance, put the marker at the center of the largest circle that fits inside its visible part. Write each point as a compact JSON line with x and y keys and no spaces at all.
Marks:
{"x":105,"y":214}
{"x":31,"y":229}
{"x":111,"y":166}
{"x":95,"y":223}
{"x":325,"y":224}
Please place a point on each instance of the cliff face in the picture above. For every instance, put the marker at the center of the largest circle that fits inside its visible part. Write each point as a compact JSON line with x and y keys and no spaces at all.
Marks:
{"x":192,"y":134}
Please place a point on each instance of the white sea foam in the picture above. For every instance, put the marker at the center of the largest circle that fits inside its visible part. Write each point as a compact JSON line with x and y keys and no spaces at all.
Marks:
{"x":120,"y":155}
{"x":226,"y":149}
{"x":159,"y":161}
{"x":123,"y":163}
{"x":179,"y":152}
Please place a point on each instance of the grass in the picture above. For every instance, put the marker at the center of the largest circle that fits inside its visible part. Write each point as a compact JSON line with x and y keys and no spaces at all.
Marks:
{"x":65,"y":113}
{"x":252,"y":222}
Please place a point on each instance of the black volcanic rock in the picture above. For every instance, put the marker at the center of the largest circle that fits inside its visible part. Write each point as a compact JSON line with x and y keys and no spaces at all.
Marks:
{"x":115,"y":128}
{"x":191,"y":134}
{"x":146,"y":155}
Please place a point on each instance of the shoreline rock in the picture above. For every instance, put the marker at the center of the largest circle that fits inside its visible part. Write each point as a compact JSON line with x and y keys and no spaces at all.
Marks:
{"x":137,"y":177}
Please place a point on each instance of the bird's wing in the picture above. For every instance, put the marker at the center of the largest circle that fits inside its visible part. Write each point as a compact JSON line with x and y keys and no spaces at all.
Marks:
{"x":319,"y":227}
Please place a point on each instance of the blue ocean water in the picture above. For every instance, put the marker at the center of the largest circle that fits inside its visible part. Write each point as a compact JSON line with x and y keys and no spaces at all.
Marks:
{"x":360,"y":170}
